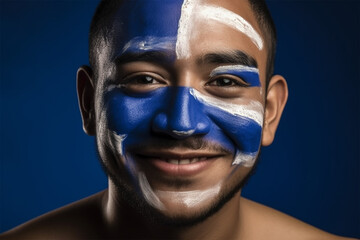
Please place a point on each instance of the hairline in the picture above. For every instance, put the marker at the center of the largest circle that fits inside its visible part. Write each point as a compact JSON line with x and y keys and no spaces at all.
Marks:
{"x":263,"y":19}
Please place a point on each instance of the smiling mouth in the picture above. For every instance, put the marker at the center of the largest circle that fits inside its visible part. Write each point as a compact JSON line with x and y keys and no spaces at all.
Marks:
{"x":185,"y":161}
{"x":176,"y":164}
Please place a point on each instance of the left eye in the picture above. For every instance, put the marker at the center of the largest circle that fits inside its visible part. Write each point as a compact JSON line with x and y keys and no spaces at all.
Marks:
{"x":226,"y":82}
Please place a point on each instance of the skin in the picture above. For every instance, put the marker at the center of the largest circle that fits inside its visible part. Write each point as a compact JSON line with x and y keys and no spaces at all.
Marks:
{"x":107,"y":216}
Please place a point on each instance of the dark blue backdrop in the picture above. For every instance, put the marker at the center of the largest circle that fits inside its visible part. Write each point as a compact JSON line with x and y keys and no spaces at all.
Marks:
{"x":311,"y":171}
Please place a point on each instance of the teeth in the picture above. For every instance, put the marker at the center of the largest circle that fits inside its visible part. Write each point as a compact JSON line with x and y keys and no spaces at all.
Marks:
{"x":173,"y":161}
{"x":185,"y":161}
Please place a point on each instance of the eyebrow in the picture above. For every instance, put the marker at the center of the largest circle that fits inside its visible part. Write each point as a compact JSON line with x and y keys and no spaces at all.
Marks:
{"x":229,"y":57}
{"x":145,"y":56}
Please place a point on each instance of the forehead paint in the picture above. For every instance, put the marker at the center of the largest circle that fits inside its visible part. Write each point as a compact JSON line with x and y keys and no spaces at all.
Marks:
{"x":150,"y":43}
{"x":184,"y":30}
{"x":191,"y":11}
{"x":145,"y":28}
{"x":248,"y":74}
{"x":233,"y":20}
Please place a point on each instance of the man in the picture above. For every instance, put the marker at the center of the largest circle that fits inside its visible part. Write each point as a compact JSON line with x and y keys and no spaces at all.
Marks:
{"x":181,"y":97}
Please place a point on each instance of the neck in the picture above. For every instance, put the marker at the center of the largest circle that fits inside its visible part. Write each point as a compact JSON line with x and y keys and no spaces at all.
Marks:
{"x":125,"y":222}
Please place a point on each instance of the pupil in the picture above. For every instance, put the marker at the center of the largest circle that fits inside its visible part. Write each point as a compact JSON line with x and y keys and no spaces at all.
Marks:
{"x":148,"y":79}
{"x":225,"y":82}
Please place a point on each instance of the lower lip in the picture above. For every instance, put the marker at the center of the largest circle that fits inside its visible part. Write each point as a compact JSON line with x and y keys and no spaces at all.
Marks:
{"x":183,"y":170}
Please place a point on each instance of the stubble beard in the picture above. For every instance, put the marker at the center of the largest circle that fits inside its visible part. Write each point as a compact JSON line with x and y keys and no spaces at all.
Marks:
{"x":128,"y":196}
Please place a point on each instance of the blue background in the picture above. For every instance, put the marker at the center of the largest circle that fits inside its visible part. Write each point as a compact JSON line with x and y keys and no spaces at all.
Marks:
{"x":311,"y":171}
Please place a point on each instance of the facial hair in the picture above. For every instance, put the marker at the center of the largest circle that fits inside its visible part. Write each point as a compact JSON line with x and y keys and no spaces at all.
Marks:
{"x":128,"y":195}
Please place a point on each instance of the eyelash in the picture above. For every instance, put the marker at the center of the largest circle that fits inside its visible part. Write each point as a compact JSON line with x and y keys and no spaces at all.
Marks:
{"x":132,"y":78}
{"x":236,"y":82}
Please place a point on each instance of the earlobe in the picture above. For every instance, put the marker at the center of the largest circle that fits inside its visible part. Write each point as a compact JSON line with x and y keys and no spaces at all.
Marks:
{"x":86,"y":92}
{"x":277,"y":94}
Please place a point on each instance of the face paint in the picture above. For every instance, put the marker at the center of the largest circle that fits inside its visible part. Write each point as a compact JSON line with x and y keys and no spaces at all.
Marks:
{"x":182,"y":112}
{"x":191,"y":198}
{"x":141,"y":44}
{"x":249,"y":74}
{"x":148,"y":31}
{"x":205,"y":13}
{"x":141,"y":120}
{"x":231,"y":19}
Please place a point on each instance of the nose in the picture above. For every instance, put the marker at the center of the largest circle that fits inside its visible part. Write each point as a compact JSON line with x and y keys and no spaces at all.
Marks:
{"x":183,"y":117}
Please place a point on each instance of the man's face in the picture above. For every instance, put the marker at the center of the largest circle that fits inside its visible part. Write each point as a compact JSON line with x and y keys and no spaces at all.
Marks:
{"x":180,"y":101}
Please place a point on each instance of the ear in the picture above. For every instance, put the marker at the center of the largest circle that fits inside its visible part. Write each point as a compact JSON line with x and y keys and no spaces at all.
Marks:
{"x":86,"y":93}
{"x":277,"y":94}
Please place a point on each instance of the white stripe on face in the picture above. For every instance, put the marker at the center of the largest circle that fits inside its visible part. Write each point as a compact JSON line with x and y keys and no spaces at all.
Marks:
{"x":243,"y":159}
{"x":184,"y":29}
{"x":233,"y":67}
{"x":233,"y":20}
{"x":191,"y":10}
{"x":191,"y":198}
{"x":250,"y":109}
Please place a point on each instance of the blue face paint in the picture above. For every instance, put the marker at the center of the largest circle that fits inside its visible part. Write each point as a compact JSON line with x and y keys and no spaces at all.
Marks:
{"x":179,"y":112}
{"x":249,"y":74}
{"x":133,"y":120}
{"x":145,"y":25}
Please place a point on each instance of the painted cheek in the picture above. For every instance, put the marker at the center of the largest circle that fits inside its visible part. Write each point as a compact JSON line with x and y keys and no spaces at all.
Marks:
{"x":245,"y":132}
{"x":139,"y":117}
{"x":128,"y":113}
{"x":240,"y":123}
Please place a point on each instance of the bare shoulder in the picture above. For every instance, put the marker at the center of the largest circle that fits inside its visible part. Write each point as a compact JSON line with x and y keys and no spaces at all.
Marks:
{"x":73,"y":221}
{"x":261,"y":222}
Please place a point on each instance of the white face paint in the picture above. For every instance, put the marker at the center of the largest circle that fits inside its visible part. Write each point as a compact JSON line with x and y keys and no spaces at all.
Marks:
{"x":148,"y":193}
{"x":184,"y":133}
{"x":232,"y":20}
{"x":118,"y":140}
{"x":229,"y":68}
{"x":193,"y":10}
{"x":246,"y":160}
{"x":190,"y":198}
{"x":250,"y":108}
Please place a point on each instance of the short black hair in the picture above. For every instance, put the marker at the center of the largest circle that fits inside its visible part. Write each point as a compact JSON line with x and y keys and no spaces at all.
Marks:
{"x":268,"y":29}
{"x":104,"y":15}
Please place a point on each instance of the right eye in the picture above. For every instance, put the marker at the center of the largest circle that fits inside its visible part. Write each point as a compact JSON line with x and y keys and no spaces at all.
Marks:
{"x":142,"y":79}
{"x":142,"y":82}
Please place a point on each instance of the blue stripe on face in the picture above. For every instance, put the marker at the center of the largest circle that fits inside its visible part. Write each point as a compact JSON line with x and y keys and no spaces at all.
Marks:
{"x":143,"y":117}
{"x":249,"y":74}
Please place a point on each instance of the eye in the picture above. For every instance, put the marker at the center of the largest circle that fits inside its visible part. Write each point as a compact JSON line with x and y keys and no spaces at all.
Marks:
{"x":227,"y":82}
{"x":141,"y":79}
{"x":142,"y":82}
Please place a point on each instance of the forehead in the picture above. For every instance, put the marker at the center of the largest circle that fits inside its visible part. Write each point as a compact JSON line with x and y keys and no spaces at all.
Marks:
{"x":139,"y":23}
{"x":144,"y":18}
